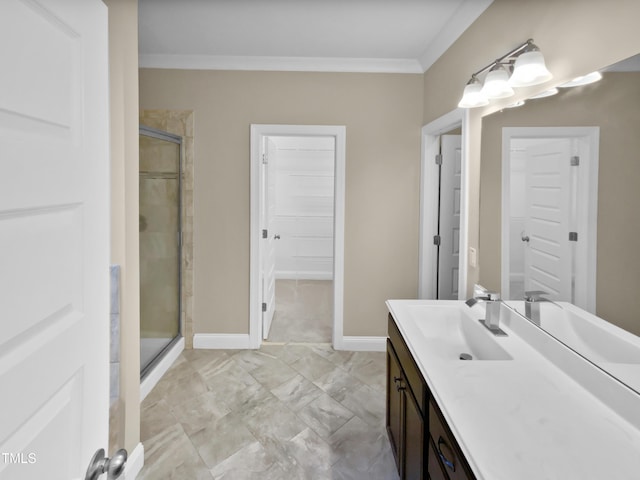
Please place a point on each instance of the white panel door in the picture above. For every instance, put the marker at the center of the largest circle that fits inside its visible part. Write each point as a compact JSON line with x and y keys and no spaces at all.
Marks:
{"x":547,"y":206}
{"x":54,"y":237}
{"x":449,"y":228}
{"x":269,"y":243}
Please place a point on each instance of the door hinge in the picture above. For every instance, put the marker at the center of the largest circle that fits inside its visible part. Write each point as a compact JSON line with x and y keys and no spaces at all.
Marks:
{"x":436,"y":240}
{"x":264,"y":307}
{"x":573,"y":236}
{"x":575,"y":161}
{"x":439,"y":159}
{"x":265,"y":159}
{"x":265,"y":233}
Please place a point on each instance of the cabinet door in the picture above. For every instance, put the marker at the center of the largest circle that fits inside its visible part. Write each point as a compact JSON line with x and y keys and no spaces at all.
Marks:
{"x":394,"y":404}
{"x":414,"y":444}
{"x":433,"y":464}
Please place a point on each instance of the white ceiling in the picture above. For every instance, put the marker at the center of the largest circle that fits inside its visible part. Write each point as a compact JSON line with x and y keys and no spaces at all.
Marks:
{"x":404,"y":36}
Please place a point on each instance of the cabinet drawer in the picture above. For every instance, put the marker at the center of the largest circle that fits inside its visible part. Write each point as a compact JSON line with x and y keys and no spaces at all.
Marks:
{"x":446,"y":448}
{"x":411,"y":372}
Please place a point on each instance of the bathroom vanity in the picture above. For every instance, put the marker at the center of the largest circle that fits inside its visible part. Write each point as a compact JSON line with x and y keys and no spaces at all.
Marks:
{"x":523,"y":406}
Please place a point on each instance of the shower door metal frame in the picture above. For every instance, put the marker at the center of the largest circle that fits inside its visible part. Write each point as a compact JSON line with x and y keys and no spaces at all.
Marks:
{"x":169,"y":137}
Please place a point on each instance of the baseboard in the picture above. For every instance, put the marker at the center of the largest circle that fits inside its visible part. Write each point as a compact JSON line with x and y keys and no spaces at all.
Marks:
{"x":160,"y":369}
{"x":135,"y":462}
{"x":362,"y":344}
{"x":224,"y":341}
{"x":286,"y":275}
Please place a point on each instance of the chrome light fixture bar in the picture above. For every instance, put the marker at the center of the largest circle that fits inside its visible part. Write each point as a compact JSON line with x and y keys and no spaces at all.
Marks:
{"x":526,"y":65}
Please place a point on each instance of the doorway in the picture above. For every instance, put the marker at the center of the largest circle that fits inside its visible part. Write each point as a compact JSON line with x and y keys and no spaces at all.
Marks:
{"x":298,"y":213}
{"x":446,"y":240}
{"x":549,"y":213}
{"x":297,"y":223}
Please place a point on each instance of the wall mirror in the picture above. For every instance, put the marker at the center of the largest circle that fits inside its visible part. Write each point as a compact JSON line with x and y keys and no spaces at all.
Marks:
{"x":560,"y":205}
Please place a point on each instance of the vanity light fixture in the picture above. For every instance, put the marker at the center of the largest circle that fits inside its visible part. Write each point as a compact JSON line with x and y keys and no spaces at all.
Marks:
{"x":519,"y":103}
{"x":546,"y":93}
{"x":473,"y":95}
{"x":583,"y":80}
{"x":496,"y":83}
{"x":527,"y":68}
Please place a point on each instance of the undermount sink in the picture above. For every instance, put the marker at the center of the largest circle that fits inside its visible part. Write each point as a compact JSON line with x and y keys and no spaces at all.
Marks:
{"x":592,"y":337}
{"x":452,"y":334}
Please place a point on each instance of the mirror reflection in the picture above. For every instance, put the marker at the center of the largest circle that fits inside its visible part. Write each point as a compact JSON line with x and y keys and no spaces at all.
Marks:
{"x":559,"y":213}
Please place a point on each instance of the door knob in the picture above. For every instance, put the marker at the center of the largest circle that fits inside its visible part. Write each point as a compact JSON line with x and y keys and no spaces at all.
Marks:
{"x":100,"y":464}
{"x":525,"y":238}
{"x":276,"y":237}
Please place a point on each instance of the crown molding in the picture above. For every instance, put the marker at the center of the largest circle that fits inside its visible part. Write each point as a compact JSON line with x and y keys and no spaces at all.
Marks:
{"x":291,"y":64}
{"x":462,"y":19}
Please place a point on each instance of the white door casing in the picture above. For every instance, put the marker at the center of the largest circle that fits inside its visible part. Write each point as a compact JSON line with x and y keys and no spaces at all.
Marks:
{"x":585,"y":145}
{"x":427,"y":255}
{"x":54,"y":237}
{"x":547,"y":259}
{"x":258,"y":132}
{"x":449,"y":229}
{"x":269,"y":241}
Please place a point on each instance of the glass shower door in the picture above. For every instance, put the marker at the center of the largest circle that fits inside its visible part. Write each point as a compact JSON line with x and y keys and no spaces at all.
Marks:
{"x":160,"y":253}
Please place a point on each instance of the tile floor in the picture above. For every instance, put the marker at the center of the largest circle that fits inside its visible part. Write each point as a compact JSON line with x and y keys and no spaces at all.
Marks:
{"x":304,"y":311}
{"x":290,"y":410}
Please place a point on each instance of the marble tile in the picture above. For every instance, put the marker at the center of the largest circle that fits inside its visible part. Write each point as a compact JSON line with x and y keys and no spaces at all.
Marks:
{"x":288,"y":353}
{"x":312,"y":453}
{"x":338,"y":383}
{"x":114,"y":277}
{"x":368,"y":367}
{"x":297,"y":392}
{"x":114,"y":382}
{"x":324,"y":415}
{"x":252,"y":359}
{"x":236,"y":388}
{"x":313,"y":366}
{"x":270,"y":419}
{"x":114,"y":338}
{"x":273,"y":373}
{"x":171,"y":456}
{"x":177,"y":389}
{"x":154,"y":419}
{"x":290,"y":410}
{"x":199,"y":411}
{"x":367,"y":403}
{"x":250,"y":462}
{"x":219,"y":440}
{"x":203,"y":360}
{"x":304,"y":310}
{"x":358,"y":444}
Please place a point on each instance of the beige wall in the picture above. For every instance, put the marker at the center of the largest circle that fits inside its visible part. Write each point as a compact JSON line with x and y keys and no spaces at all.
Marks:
{"x":383,"y":116}
{"x":575,"y":36}
{"x":612,"y":104}
{"x":123,"y":72}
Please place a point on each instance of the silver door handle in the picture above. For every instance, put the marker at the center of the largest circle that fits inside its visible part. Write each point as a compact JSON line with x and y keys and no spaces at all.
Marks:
{"x":276,"y":237}
{"x":100,"y":464}
{"x":525,"y":238}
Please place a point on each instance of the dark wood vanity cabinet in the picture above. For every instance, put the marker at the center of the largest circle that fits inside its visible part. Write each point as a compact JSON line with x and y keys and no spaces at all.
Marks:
{"x":405,"y":421}
{"x":423,"y":445}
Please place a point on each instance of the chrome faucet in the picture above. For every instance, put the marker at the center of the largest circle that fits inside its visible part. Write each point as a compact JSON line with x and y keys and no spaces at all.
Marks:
{"x":492,"y":309}
{"x":532,"y":301}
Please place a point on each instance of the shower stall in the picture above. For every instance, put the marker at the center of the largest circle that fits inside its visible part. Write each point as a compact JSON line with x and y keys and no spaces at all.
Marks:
{"x":160,"y":177}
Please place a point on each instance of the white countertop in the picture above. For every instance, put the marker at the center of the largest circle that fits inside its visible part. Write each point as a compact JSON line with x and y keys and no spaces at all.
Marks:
{"x":545,"y":414}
